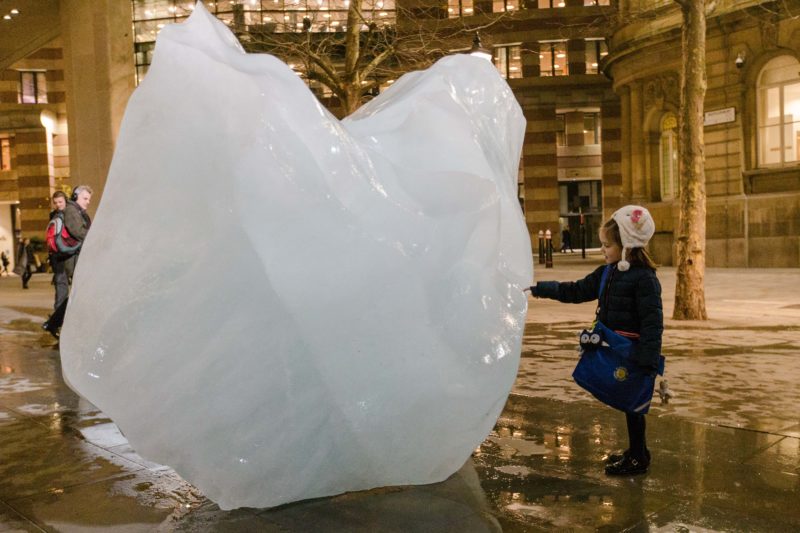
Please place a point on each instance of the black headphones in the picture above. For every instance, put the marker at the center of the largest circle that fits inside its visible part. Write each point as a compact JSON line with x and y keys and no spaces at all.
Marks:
{"x":74,"y":196}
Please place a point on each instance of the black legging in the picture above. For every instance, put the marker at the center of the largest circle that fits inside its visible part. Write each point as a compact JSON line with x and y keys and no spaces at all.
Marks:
{"x":636,"y":438}
{"x":26,"y":276}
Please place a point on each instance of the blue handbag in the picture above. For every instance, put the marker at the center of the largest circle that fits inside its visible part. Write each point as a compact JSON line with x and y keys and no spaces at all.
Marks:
{"x":607,"y":371}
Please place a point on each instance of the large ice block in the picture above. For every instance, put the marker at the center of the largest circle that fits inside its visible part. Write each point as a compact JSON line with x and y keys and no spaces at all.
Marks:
{"x":281,"y":305}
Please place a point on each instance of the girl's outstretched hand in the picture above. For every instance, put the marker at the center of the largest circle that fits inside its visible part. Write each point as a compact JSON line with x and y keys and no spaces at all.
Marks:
{"x":531,"y":290}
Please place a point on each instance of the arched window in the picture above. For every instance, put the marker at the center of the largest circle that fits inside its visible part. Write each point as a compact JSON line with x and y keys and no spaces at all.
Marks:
{"x":668,"y":152}
{"x":779,"y":112}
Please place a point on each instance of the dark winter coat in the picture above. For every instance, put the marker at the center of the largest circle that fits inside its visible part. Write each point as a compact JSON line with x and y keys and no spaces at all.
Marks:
{"x":631,"y":302}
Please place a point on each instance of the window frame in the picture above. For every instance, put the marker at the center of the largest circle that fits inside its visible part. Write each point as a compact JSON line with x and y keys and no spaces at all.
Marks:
{"x":5,"y":154}
{"x":36,"y":74}
{"x":506,"y":50}
{"x":553,"y":70}
{"x":600,"y":50}
{"x":671,"y":136}
{"x":762,"y":121}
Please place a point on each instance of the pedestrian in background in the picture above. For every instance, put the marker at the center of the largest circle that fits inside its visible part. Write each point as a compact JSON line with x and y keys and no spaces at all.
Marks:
{"x":6,"y":261}
{"x":630,"y":305}
{"x":566,"y":240}
{"x":26,"y":261}
{"x":77,"y":222}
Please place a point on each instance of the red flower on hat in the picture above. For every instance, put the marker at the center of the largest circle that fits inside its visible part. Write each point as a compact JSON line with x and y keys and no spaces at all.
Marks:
{"x":636,"y":214}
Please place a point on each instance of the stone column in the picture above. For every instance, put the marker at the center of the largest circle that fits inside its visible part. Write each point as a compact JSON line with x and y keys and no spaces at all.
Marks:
{"x":530,"y":60}
{"x":34,"y":148}
{"x":612,"y":157}
{"x":99,"y":75}
{"x":638,"y":169}
{"x":540,"y":163}
{"x":576,"y":56}
{"x":625,"y":152}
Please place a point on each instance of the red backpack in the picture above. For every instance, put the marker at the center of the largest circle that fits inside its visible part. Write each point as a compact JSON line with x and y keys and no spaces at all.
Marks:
{"x":58,"y":238}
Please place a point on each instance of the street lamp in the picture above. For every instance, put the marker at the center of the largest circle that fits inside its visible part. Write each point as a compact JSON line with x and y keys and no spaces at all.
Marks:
{"x":478,"y":50}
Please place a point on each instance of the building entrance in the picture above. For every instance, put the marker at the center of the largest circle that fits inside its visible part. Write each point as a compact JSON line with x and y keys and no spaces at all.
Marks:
{"x":581,"y":197}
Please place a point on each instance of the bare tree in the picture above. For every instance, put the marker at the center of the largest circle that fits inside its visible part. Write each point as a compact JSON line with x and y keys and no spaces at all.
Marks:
{"x":690,"y":300}
{"x":353,"y":58}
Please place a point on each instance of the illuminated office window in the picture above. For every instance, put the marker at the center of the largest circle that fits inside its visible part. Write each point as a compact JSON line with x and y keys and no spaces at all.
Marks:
{"x":553,"y":58}
{"x":499,"y":6}
{"x":596,"y":49}
{"x":508,"y":61}
{"x":779,"y":112}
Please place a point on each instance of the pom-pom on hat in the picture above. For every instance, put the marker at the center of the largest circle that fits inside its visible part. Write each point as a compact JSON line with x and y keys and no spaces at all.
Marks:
{"x":636,"y":227}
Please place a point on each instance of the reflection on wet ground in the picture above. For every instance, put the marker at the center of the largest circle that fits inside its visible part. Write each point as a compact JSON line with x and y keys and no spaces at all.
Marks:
{"x":726,"y":450}
{"x":65,"y":466}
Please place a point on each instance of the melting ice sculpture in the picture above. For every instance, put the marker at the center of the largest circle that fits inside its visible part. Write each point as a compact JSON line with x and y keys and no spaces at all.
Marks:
{"x":283,"y":306}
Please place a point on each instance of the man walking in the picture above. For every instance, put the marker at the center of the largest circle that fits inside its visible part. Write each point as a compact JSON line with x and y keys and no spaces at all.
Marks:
{"x":77,"y":222}
{"x":58,"y":260}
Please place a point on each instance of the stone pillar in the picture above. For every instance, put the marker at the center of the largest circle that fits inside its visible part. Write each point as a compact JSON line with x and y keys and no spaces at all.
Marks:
{"x":99,"y":75}
{"x":573,"y":123}
{"x":540,"y":163}
{"x":34,"y":148}
{"x":625,"y":152}
{"x":638,"y":170}
{"x":576,"y":56}
{"x":530,"y":60}
{"x":612,"y":156}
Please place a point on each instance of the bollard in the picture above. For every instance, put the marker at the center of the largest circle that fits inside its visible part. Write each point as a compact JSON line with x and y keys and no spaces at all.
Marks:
{"x":548,"y":249}
{"x":541,"y":247}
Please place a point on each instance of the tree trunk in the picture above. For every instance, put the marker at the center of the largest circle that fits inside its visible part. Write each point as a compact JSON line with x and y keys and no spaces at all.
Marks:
{"x":690,"y":300}
{"x":352,"y":100}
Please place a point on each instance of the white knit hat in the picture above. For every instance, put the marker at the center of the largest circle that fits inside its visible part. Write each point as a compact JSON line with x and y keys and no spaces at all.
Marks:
{"x":636,"y":227}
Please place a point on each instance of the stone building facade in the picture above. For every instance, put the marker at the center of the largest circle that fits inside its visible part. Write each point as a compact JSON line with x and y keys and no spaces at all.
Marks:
{"x":602,"y":113}
{"x":33,"y":142}
{"x":66,"y":72}
{"x":752,"y":131}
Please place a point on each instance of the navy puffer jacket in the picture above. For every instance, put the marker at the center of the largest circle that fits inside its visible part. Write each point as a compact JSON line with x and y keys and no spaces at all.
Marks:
{"x":631,"y":302}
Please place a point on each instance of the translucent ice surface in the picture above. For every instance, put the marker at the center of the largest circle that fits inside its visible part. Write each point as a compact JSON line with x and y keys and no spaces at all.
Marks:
{"x":281,"y":305}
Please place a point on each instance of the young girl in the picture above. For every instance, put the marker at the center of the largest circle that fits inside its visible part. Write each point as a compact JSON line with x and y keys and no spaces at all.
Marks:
{"x":630,"y":305}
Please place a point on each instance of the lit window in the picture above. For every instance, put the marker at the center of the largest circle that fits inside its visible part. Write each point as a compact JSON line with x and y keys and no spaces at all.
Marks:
{"x":596,"y":2}
{"x":596,"y":49}
{"x":508,"y":61}
{"x":548,"y":4}
{"x":498,"y":6}
{"x":32,"y":87}
{"x":553,"y":58}
{"x":779,"y":112}
{"x":460,"y":8}
{"x":668,"y":148}
{"x":591,"y":128}
{"x":5,"y":154}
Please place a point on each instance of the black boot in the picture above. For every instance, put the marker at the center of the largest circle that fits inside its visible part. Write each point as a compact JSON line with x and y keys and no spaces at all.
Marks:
{"x":52,"y":329}
{"x":628,"y":467}
{"x":619,"y":456}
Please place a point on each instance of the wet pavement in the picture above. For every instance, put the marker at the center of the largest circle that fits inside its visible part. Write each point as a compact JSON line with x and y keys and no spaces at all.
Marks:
{"x":726,"y":448}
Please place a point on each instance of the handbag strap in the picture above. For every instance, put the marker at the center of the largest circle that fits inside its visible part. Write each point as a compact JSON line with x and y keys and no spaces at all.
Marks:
{"x":603,"y":281}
